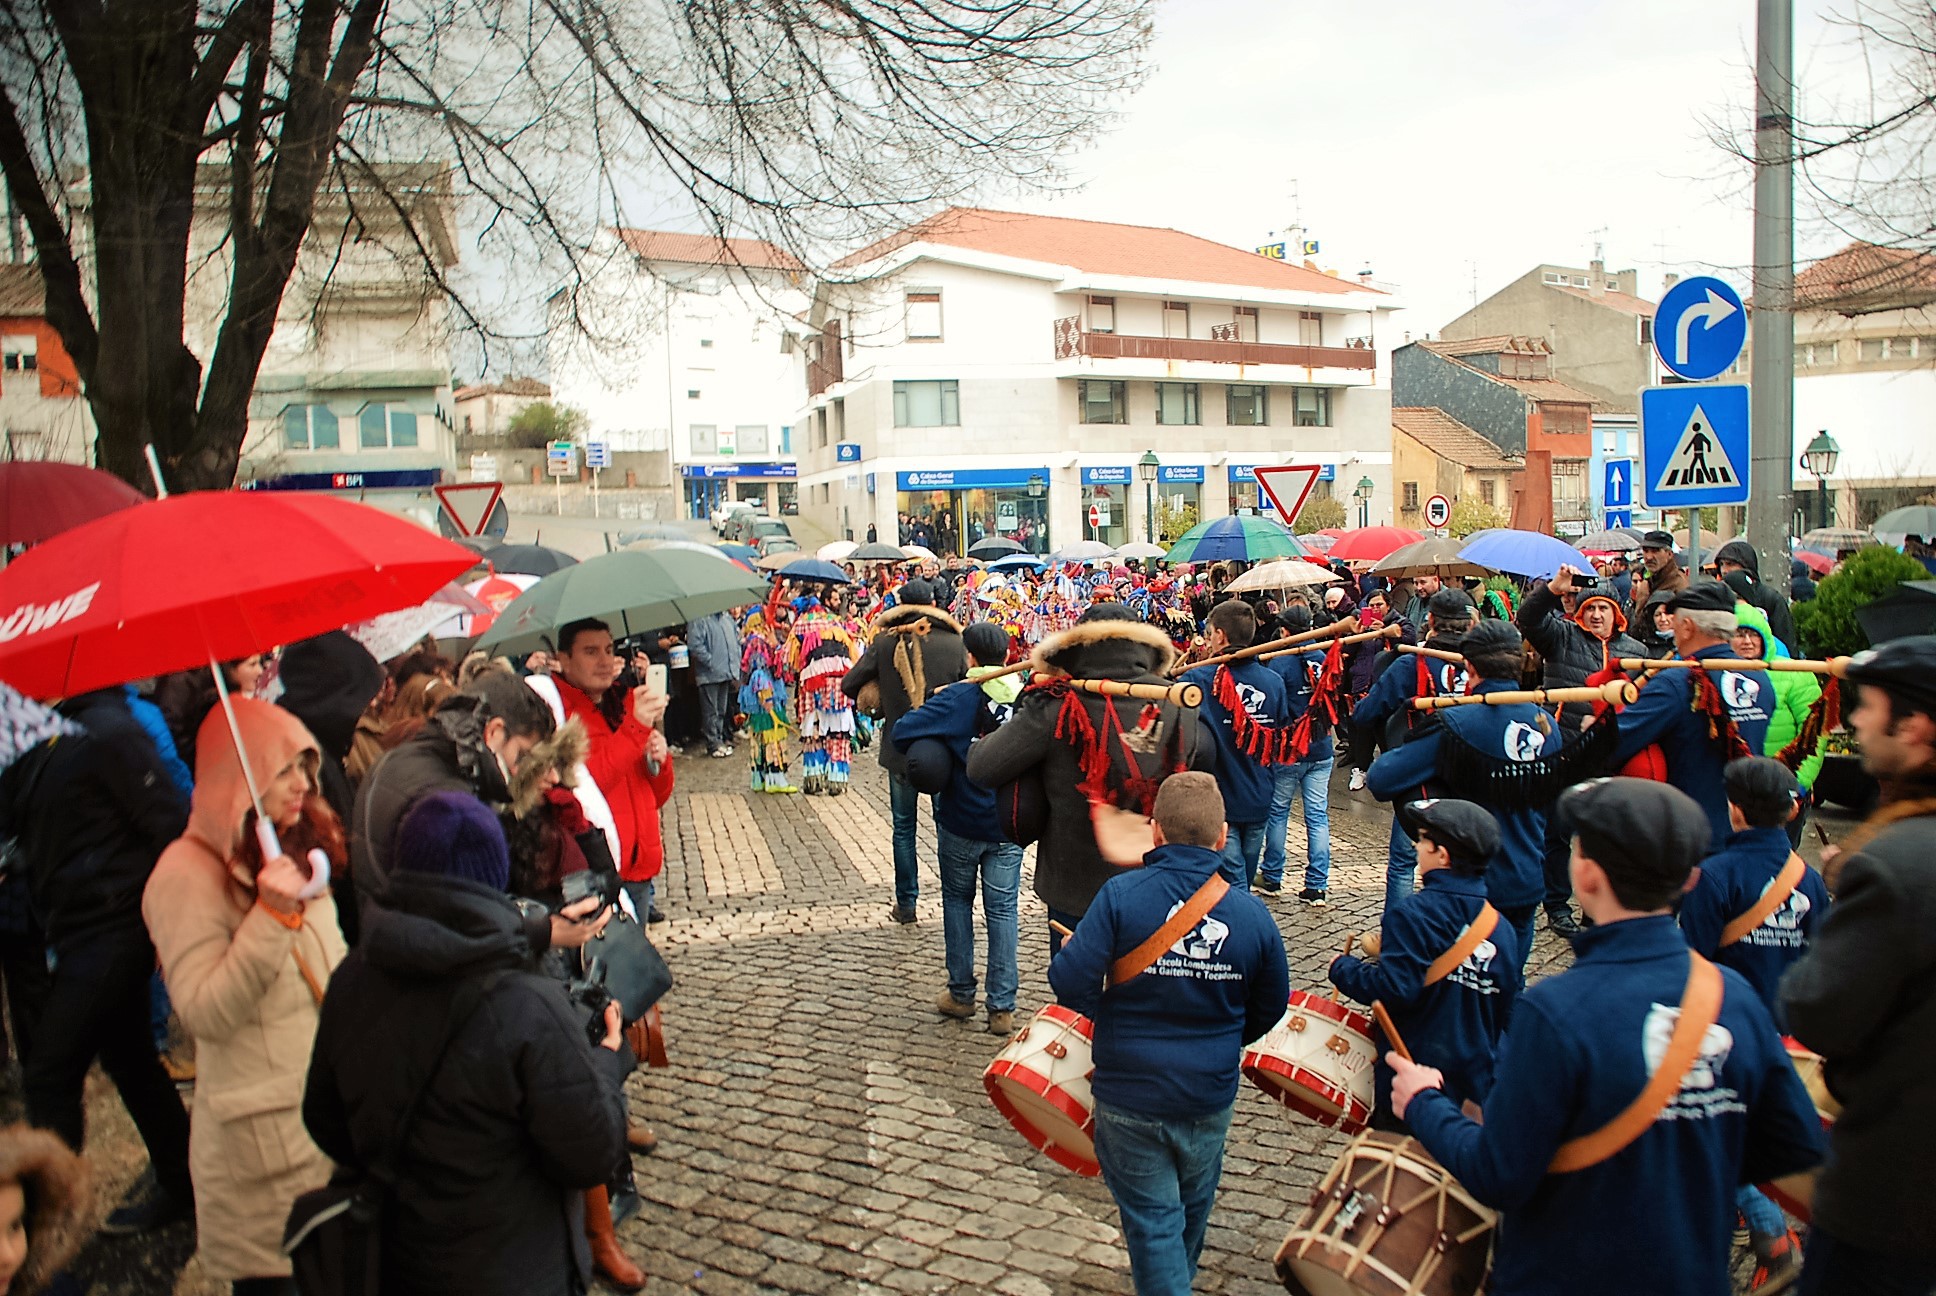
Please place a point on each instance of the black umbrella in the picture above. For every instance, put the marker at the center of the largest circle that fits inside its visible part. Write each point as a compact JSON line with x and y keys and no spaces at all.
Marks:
{"x":994,"y":547}
{"x":876,"y":553}
{"x":519,"y":559}
{"x":1911,"y":610}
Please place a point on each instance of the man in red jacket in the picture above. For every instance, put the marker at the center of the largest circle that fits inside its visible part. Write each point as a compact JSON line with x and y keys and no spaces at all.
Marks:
{"x":629,"y":759}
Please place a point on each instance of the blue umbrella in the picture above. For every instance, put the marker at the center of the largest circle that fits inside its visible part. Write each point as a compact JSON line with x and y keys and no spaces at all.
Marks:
{"x":815,"y":569}
{"x":1245,"y":538}
{"x":745,"y":553}
{"x":1524,"y":553}
{"x":1015,"y":562}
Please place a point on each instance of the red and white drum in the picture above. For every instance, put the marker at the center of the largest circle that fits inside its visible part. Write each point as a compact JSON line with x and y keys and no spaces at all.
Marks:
{"x":1318,"y":1061}
{"x":1041,"y":1083}
{"x":1808,"y":1065}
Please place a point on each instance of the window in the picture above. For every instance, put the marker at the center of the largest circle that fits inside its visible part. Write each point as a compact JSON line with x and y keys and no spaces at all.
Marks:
{"x":1646,"y":331}
{"x":19,"y":353}
{"x":1312,"y":407}
{"x":1176,"y":319}
{"x":1901,"y":348}
{"x":311,"y":427}
{"x":786,"y":438}
{"x":1411,"y":497}
{"x":1102,"y":402}
{"x":692,"y":393}
{"x":1872,"y":349}
{"x":705,"y":438}
{"x":707,"y":342}
{"x":1102,"y":314}
{"x":1488,"y":491}
{"x":820,"y":429}
{"x":1310,"y":328}
{"x":1246,"y":318}
{"x":1551,"y":278}
{"x":839,"y":423}
{"x":1177,"y":404}
{"x":1245,"y":406}
{"x":1817,"y":354}
{"x":386,"y":427}
{"x":930,"y":403}
{"x":467,"y":425}
{"x":752,"y":438}
{"x":924,"y":315}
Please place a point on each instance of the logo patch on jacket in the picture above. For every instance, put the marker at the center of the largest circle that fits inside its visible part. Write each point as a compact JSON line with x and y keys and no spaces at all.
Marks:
{"x":1702,"y":1093}
{"x":1524,"y":742}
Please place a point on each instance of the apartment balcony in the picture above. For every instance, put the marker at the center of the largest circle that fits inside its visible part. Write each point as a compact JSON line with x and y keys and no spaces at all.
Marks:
{"x":1117,"y":354}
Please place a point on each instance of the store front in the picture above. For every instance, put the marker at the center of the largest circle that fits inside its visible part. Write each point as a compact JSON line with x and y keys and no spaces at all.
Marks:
{"x":1105,"y":504}
{"x":768,"y":487}
{"x":949,"y":509}
{"x":1245,"y":498}
{"x":1179,"y":500}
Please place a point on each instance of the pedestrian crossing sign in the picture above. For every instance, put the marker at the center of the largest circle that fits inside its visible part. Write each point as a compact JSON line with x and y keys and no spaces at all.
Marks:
{"x":1694,"y":445}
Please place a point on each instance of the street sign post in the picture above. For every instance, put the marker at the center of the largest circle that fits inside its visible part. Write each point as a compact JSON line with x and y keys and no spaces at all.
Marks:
{"x":598,"y":455}
{"x":561,"y":461}
{"x":1700,"y":327}
{"x":1288,"y":482}
{"x":1098,"y":517}
{"x":1619,"y":485}
{"x":1438,"y":512}
{"x":1694,"y":451}
{"x":468,"y":505}
{"x":1619,"y":518}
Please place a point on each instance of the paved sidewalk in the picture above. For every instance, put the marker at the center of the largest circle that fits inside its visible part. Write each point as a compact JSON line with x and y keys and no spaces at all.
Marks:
{"x":824,"y":1130}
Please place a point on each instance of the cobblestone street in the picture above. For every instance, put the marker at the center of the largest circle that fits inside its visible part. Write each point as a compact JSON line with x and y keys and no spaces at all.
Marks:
{"x":823,"y":1129}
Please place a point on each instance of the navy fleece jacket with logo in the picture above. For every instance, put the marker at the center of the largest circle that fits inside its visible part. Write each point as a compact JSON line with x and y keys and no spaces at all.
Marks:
{"x":1453,"y":1024}
{"x":1582,"y":1047}
{"x":1664,"y":713}
{"x":1246,"y":782}
{"x":1732,"y":881}
{"x":1168,"y":1042}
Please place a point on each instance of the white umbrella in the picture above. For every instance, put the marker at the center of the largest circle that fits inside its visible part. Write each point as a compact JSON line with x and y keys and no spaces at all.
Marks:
{"x":837,"y":551}
{"x":918,"y":553}
{"x":1285,"y":573}
{"x":1141,"y":549}
{"x":1082,"y":551}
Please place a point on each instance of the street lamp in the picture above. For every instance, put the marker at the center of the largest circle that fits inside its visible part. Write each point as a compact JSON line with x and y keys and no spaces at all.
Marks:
{"x":1363,"y":496}
{"x":1820,"y":459}
{"x":1146,"y":469}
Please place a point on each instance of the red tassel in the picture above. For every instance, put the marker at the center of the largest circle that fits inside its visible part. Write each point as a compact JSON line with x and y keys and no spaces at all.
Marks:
{"x":1720,"y":723}
{"x":1824,"y":716}
{"x":1259,"y":742}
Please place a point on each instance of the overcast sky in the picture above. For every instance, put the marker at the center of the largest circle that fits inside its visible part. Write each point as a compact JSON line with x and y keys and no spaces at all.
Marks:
{"x":1441,"y":142}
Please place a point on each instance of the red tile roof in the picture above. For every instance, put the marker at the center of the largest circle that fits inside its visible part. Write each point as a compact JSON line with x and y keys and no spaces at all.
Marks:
{"x":1450,"y":439}
{"x":705,"y":249}
{"x":1103,"y":248}
{"x":1863,"y":277}
{"x":21,"y":291}
{"x":1539,"y":389}
{"x":1619,"y":301}
{"x":1496,"y":344}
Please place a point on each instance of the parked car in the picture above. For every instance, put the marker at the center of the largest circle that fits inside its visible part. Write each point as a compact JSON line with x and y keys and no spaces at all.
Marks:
{"x":762,"y":527}
{"x":770,"y":545}
{"x":724,"y":513}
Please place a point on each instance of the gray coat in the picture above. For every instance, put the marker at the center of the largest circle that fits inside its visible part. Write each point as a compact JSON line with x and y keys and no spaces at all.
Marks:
{"x":714,"y":641}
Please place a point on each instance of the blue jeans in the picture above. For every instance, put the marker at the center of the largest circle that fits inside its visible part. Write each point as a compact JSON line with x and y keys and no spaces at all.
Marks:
{"x":1310,"y":780}
{"x":641,"y":893}
{"x":905,"y":802}
{"x":998,"y":865}
{"x":1400,"y":865}
{"x":1163,"y":1175}
{"x":1242,"y":848}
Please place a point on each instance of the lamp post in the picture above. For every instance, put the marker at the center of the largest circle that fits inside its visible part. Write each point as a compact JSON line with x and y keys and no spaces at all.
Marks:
{"x":1146,"y":468}
{"x":1363,"y":495}
{"x":1819,"y":459}
{"x":1036,"y":489}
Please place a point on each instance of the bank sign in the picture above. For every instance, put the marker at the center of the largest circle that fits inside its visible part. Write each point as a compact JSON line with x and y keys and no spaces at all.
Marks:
{"x":967,"y":478}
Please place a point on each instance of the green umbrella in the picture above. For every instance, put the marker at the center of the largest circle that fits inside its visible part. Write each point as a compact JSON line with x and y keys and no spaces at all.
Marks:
{"x":1242,"y":537}
{"x":630,"y":591}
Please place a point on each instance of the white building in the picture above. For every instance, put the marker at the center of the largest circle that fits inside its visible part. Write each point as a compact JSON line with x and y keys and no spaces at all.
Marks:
{"x":685,"y":343}
{"x":1007,"y":372}
{"x":483,"y":412}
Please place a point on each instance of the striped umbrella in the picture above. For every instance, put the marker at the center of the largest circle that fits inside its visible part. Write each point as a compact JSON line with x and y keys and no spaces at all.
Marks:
{"x":1238,"y":538}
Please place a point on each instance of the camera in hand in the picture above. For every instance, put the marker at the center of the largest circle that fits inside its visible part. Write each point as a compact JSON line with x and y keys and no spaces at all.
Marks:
{"x":590,"y":997}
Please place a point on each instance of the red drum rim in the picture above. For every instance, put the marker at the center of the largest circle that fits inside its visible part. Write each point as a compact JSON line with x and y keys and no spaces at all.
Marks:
{"x":1000,"y":1071}
{"x":1327,"y":1007}
{"x":1351,"y":1114}
{"x":1068,"y":1017}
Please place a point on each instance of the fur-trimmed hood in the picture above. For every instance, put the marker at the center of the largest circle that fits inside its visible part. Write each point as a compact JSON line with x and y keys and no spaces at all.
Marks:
{"x":57,"y":1186}
{"x":908,"y":613}
{"x":1104,"y":648}
{"x":564,"y":751}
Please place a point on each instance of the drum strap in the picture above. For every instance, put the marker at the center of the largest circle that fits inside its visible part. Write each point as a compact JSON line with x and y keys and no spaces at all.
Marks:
{"x":1144,"y":956}
{"x":1462,"y":948}
{"x":1700,"y":1007}
{"x":1772,"y":899}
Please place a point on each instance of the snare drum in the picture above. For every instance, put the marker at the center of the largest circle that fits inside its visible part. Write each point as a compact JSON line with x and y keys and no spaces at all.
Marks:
{"x":1318,"y":1061}
{"x":1808,"y":1065}
{"x":1388,"y":1220}
{"x":1041,"y":1083}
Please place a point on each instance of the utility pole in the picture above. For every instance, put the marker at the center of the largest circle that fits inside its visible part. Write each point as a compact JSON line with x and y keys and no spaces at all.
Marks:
{"x":1771,"y":483}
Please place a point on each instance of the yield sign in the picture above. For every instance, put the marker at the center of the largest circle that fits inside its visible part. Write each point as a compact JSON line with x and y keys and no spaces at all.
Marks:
{"x":468,"y":505}
{"x":1294,"y":484}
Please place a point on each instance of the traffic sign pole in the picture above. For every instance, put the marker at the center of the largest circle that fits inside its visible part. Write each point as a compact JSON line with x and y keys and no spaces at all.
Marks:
{"x":1772,"y":509}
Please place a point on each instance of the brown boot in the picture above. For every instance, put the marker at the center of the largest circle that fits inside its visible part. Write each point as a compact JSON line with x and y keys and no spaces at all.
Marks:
{"x":640,"y":1138}
{"x":613,"y":1265}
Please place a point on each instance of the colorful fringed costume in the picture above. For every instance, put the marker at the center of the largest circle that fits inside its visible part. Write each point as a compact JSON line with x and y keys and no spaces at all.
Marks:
{"x":763,"y":696}
{"x":819,"y":655}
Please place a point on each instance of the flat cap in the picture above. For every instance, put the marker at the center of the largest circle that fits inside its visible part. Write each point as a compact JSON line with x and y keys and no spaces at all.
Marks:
{"x":1637,"y":822}
{"x":1657,"y":540}
{"x":1491,"y":636}
{"x":1703,"y":596}
{"x":1904,"y":667}
{"x":1462,"y":827}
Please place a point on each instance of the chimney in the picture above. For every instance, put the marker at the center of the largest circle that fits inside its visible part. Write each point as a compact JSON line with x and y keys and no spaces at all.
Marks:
{"x":1668,"y":280}
{"x":1596,"y":278}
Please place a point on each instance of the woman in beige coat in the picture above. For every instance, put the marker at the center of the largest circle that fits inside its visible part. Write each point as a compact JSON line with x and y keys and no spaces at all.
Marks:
{"x":246,"y":961}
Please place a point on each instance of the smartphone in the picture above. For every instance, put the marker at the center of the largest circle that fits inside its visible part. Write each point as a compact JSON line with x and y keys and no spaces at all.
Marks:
{"x":655,"y":678}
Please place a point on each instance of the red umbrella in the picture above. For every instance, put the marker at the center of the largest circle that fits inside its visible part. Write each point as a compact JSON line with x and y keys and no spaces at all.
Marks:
{"x":39,"y":500}
{"x":1369,"y":544}
{"x":1820,"y":564}
{"x":210,"y":575}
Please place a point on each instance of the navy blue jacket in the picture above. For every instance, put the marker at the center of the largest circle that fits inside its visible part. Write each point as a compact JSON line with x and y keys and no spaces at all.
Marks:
{"x":1455,"y":1024}
{"x":1581,"y":1049}
{"x":1517,"y":730}
{"x":1246,"y":783}
{"x":957,"y":715}
{"x":1299,"y":671}
{"x":1168,"y":1042}
{"x":1393,"y":691}
{"x":1732,"y":880}
{"x":1664,"y":714}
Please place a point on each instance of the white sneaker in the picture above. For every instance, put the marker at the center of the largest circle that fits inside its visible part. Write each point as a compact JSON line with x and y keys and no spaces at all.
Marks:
{"x":1357,"y":780}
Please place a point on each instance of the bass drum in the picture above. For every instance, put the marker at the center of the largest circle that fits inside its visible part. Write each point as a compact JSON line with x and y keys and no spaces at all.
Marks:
{"x":1040,"y":1081}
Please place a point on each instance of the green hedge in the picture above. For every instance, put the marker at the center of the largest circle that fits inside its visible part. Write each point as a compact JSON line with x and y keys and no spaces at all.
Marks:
{"x":1827,"y":622}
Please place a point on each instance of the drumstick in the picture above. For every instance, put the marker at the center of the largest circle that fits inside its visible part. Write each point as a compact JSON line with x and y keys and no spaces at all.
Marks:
{"x":1059,"y":929}
{"x":1349,"y":940}
{"x":1821,"y":833}
{"x":1391,"y":1031}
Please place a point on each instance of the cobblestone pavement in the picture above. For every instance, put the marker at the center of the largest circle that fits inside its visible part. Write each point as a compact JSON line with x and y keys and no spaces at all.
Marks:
{"x":823,"y":1129}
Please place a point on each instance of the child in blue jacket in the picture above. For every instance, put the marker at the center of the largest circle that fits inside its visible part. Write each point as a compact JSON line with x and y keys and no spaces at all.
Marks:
{"x":1451,"y":1016}
{"x":1245,"y":705}
{"x":1583,"y":1048}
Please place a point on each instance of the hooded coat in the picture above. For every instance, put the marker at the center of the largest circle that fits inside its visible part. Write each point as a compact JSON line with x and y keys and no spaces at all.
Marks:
{"x":247,"y":988}
{"x":327,"y":683}
{"x":1658,"y":643}
{"x":1795,"y":693}
{"x":1572,"y":653}
{"x":916,"y":649}
{"x":1750,"y":586}
{"x":1069,"y":866}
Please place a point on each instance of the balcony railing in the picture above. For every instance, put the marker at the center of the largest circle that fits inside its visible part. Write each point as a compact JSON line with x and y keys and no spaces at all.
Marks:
{"x":1072,"y":341}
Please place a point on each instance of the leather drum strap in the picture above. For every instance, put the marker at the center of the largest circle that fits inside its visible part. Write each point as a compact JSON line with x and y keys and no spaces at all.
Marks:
{"x":1482,"y":925}
{"x":1700,"y":1007}
{"x":1772,"y":899}
{"x":1139,"y":960}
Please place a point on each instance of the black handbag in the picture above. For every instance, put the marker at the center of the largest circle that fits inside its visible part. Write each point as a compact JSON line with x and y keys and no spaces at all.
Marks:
{"x":624,"y":959}
{"x":334,"y":1234}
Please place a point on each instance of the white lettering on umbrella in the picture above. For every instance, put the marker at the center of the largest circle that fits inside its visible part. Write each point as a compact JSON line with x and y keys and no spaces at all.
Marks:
{"x":32,"y":618}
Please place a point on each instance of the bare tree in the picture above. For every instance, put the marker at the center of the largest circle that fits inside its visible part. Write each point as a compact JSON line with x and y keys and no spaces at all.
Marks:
{"x":808,"y":123}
